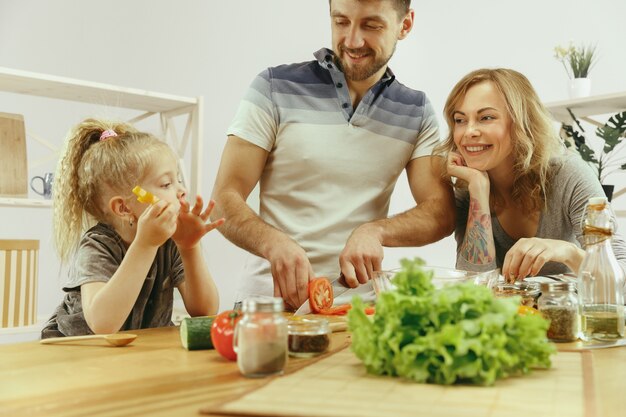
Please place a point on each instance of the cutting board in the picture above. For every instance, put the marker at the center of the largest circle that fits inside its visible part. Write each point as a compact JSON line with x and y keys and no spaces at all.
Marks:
{"x":14,"y":168}
{"x":338,"y":386}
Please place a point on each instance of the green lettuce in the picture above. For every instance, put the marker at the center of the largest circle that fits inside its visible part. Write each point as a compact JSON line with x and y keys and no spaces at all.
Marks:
{"x":455,"y":334}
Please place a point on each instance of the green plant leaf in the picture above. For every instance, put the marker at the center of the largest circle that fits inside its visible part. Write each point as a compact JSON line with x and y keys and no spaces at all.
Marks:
{"x":612,"y":131}
{"x":585,"y":151}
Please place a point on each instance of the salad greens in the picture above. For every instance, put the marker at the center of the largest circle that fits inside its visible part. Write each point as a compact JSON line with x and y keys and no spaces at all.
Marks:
{"x":455,"y":334}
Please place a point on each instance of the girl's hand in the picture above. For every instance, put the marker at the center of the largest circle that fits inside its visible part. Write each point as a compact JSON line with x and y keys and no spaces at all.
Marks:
{"x":528,"y":255}
{"x":457,"y":167}
{"x":192,"y":223}
{"x":156,"y":224}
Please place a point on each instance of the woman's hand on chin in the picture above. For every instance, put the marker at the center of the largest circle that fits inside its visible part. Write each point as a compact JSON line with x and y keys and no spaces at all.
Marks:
{"x":457,"y":167}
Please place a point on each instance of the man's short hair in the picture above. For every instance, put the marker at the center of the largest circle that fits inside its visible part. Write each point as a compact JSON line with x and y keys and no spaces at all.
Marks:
{"x":401,"y":6}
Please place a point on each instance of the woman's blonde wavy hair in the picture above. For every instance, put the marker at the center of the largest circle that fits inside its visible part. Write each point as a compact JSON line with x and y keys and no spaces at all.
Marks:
{"x":91,"y":171}
{"x":535,"y":141}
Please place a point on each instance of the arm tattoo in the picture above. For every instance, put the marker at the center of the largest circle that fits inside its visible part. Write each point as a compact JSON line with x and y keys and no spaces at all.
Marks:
{"x":478,"y":246}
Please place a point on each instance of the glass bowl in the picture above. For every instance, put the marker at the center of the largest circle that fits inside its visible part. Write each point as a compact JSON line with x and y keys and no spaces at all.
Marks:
{"x":443,"y":276}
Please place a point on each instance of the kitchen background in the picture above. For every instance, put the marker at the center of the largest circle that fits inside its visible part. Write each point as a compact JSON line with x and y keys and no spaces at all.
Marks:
{"x":215,"y":48}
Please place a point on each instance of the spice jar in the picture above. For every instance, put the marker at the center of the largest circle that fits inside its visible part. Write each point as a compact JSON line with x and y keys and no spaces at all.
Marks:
{"x":528,"y":291}
{"x":261,"y":337}
{"x":308,"y":337}
{"x":559,"y":304}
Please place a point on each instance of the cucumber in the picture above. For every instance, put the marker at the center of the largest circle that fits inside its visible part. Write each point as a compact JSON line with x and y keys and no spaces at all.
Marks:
{"x":195,"y":333}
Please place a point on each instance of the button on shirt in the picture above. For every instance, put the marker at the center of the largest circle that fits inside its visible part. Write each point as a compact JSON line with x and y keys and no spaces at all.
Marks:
{"x":330,"y":168}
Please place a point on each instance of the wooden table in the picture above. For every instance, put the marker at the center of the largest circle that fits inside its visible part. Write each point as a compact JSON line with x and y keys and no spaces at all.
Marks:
{"x":155,"y":376}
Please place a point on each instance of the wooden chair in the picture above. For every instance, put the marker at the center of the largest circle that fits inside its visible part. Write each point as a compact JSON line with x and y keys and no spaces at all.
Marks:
{"x":18,"y":282}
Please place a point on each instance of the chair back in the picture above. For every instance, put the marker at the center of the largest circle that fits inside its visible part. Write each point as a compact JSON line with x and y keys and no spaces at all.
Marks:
{"x":18,"y":282}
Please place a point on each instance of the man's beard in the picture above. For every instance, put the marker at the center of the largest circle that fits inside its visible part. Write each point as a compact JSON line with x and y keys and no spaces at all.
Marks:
{"x":365,"y":71}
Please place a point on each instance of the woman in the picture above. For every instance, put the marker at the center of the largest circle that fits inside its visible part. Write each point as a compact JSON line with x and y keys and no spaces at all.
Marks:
{"x":520,"y":195}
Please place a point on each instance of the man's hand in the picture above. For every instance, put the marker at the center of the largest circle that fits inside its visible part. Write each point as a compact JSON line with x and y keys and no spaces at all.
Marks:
{"x":529,"y":255}
{"x":291,"y":271}
{"x":362,"y":255}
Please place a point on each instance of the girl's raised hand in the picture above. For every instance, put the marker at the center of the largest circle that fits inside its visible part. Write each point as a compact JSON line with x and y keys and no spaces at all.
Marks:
{"x":156,"y":224}
{"x":192,"y":223}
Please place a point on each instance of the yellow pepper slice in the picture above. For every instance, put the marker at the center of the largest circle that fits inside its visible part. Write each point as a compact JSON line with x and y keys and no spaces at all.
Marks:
{"x":144,"y":196}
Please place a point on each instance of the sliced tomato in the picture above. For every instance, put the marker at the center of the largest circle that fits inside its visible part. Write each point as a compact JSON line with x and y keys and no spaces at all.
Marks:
{"x":320,"y":294}
{"x":336,"y":311}
{"x":370,"y":310}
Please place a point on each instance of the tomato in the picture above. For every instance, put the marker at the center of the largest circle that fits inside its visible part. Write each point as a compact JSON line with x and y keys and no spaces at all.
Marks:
{"x":336,"y":311}
{"x":370,"y":310}
{"x":343,"y":309}
{"x":320,"y":294}
{"x":222,"y":332}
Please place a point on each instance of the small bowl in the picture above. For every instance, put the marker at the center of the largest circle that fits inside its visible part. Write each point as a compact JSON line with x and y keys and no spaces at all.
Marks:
{"x":528,"y":291}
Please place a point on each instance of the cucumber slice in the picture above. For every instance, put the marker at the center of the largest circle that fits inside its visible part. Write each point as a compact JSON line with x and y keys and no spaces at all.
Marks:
{"x":195,"y":333}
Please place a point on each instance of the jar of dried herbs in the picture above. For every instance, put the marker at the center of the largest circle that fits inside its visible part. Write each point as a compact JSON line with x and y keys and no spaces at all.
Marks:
{"x":559,"y":304}
{"x":261,"y":337}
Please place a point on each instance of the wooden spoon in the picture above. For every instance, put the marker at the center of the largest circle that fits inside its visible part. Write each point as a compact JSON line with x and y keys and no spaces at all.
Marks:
{"x":116,"y":339}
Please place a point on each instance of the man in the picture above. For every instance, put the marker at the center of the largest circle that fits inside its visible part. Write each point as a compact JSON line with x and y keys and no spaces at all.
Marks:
{"x":327,"y":140}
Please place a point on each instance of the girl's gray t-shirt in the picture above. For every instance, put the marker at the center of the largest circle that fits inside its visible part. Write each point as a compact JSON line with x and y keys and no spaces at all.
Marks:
{"x":572,"y":183}
{"x":99,"y":254}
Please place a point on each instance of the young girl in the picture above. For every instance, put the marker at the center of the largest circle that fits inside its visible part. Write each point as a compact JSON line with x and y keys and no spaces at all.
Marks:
{"x":127,"y":256}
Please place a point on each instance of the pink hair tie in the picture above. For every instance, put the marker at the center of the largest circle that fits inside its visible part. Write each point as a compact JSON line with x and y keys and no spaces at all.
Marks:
{"x":107,"y":134}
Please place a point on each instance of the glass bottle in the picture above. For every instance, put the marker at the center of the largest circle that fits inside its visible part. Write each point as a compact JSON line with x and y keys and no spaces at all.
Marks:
{"x":261,"y":337}
{"x":600,"y":279}
{"x":559,"y":304}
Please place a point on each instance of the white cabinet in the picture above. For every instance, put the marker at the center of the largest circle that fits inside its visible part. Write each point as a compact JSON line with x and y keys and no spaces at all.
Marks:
{"x":165,"y":107}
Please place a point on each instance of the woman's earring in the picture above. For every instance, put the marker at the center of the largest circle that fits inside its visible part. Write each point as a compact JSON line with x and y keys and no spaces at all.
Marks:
{"x":130,"y":221}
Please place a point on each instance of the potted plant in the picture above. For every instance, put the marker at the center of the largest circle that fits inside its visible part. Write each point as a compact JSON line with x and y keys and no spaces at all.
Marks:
{"x":608,"y":160}
{"x":577,"y":61}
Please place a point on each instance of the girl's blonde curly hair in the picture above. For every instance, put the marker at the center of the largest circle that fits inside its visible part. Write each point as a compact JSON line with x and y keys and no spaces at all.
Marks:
{"x":91,"y":171}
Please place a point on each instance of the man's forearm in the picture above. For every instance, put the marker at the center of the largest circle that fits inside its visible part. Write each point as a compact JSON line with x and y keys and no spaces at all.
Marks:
{"x":426,"y":223}
{"x":243,"y":226}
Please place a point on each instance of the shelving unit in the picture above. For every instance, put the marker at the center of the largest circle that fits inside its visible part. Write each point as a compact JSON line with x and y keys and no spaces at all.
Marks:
{"x":164,"y":106}
{"x":584,"y":109}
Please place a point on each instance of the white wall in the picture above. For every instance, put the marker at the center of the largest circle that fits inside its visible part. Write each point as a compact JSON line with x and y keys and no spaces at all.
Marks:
{"x":214,"y":49}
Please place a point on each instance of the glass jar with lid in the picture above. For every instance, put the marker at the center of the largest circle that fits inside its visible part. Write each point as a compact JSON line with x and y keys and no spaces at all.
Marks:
{"x":559,"y":304}
{"x":527,"y":291}
{"x":261,"y":337}
{"x":308,"y":337}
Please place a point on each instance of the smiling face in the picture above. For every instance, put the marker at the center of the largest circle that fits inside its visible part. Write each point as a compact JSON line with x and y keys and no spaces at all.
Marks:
{"x":482,"y":129}
{"x":365,"y":34}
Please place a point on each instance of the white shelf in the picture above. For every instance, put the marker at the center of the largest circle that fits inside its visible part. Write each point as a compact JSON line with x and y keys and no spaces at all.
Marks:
{"x":584,"y":108}
{"x":164,"y":106}
{"x":588,"y":106}
{"x":43,"y":85}
{"x":24,"y":202}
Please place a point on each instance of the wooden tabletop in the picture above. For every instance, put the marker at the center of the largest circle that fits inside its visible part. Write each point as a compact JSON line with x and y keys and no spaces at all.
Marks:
{"x":155,"y":376}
